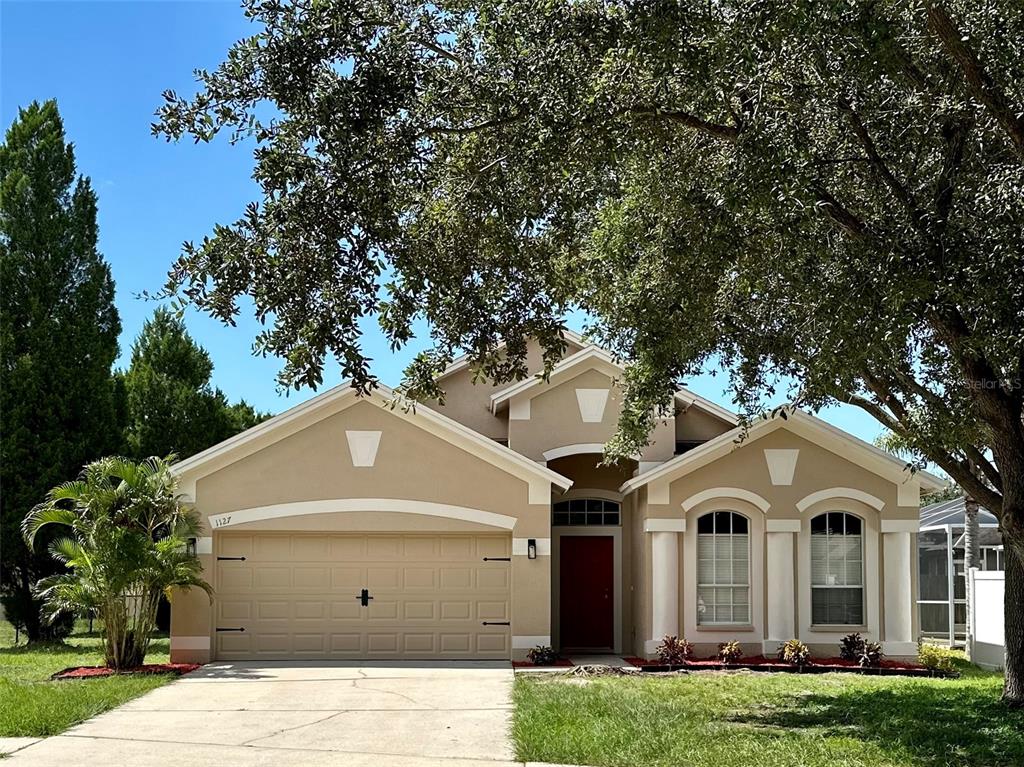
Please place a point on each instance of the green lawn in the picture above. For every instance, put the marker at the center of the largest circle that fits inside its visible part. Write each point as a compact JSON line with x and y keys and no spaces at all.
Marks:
{"x":767,"y":720}
{"x":32,"y":705}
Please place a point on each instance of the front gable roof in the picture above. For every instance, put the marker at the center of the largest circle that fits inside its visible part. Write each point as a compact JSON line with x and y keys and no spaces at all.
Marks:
{"x":593,"y":357}
{"x":339,"y":398}
{"x":813,"y":429}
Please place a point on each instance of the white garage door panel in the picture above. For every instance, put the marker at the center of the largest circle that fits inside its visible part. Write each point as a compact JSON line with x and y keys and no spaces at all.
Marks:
{"x":296,"y":596}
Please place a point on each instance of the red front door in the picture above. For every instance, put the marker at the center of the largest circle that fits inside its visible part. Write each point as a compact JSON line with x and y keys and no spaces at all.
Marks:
{"x":587,"y":592}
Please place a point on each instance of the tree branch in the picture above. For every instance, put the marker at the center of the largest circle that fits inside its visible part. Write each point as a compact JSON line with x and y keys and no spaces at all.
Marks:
{"x":881,"y":168}
{"x":977,"y":80}
{"x":725,"y":132}
{"x":955,"y":133}
{"x":958,"y":470}
{"x":834,"y":210}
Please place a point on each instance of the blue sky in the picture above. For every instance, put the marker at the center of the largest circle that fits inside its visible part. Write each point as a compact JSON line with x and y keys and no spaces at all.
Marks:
{"x":107,"y":63}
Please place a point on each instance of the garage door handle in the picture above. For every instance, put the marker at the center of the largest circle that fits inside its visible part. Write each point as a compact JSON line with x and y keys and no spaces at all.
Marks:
{"x":496,"y":623}
{"x":235,"y":559}
{"x":221,"y":629}
{"x":497,"y":559}
{"x":364,"y":597}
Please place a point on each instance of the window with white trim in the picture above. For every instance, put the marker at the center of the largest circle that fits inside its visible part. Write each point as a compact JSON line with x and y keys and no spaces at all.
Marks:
{"x":837,"y":570}
{"x":723,"y":569}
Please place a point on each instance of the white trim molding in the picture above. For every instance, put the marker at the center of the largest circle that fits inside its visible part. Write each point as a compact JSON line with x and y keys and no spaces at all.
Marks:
{"x":849,"y":493}
{"x":591,"y":403}
{"x":900,"y":525}
{"x":344,"y":505}
{"x":519,"y":547}
{"x":190,"y":643}
{"x":362,"y":445}
{"x":782,"y":525}
{"x":781,"y":464}
{"x":664,"y":525}
{"x":204,"y":544}
{"x":737,"y":493}
{"x":583,"y":447}
{"x":529,"y":642}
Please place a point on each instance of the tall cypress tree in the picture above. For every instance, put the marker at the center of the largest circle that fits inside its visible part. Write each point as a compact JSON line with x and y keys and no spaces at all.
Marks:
{"x":58,"y":340}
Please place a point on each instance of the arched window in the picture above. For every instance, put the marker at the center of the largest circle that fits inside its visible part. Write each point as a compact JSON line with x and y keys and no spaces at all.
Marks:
{"x":837,"y":570}
{"x":585,"y":511}
{"x":723,"y":569}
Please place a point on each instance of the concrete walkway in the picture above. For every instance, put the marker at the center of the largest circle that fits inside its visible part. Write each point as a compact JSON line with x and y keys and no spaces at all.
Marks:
{"x":310,"y":714}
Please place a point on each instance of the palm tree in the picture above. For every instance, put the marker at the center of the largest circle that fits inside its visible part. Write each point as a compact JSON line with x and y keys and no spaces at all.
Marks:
{"x":127,"y":544}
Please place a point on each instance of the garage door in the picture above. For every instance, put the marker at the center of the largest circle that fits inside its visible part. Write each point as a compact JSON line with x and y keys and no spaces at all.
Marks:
{"x":300,"y":595}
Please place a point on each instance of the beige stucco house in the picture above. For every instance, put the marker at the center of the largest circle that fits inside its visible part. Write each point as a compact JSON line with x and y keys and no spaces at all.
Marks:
{"x":347,"y":529}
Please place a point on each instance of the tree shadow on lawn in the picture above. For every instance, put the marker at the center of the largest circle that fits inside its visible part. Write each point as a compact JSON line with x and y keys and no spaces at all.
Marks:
{"x":932,"y":723}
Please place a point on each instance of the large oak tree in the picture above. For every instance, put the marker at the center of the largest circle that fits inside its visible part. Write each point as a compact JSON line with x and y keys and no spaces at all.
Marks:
{"x":822,"y":193}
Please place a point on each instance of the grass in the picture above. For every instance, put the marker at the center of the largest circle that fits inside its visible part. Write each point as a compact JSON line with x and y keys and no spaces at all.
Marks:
{"x":33,"y":706}
{"x":769,"y":720}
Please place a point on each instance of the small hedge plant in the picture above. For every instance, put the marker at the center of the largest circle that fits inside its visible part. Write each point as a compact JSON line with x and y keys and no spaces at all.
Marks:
{"x":542,"y":655}
{"x":794,"y":652}
{"x":730,"y":652}
{"x":674,"y":651}
{"x":855,"y":648}
{"x":935,"y":658}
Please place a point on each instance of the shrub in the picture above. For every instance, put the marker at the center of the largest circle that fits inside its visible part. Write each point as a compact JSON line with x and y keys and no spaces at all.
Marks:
{"x":934,"y":657}
{"x":542,"y":655}
{"x":871,"y":655}
{"x":851,"y":647}
{"x":674,"y":651}
{"x":730,"y":652}
{"x":795,"y":652}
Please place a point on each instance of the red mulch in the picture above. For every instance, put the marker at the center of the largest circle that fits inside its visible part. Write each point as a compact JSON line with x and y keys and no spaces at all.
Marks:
{"x":86,"y":672}
{"x":765,"y":662}
{"x":561,"y":662}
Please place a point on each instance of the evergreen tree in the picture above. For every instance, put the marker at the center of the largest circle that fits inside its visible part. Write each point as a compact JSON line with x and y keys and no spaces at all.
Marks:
{"x":169,"y":403}
{"x":58,"y":340}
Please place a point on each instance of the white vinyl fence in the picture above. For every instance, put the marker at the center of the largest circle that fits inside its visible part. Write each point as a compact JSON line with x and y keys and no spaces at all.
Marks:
{"x":985,"y":633}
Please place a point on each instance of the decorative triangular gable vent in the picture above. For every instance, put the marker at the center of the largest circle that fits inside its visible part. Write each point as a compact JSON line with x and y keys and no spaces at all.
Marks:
{"x":363,"y":446}
{"x":592,"y":403}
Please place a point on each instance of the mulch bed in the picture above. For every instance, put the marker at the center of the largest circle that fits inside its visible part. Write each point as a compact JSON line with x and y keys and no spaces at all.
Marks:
{"x":560,"y":663}
{"x":90,"y":672}
{"x":816,"y":666}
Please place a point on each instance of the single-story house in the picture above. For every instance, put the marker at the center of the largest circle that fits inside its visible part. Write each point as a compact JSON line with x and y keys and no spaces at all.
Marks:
{"x":347,"y":529}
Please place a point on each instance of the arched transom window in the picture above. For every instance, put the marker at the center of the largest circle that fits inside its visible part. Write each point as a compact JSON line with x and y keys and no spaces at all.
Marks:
{"x":837,"y":570}
{"x":723,"y":569}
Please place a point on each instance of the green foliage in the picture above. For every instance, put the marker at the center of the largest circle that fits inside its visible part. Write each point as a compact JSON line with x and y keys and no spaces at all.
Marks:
{"x":542,"y":655}
{"x":674,"y":651}
{"x":58,"y":340}
{"x":730,"y":652}
{"x":124,"y":546}
{"x":935,"y":657}
{"x":795,"y":652}
{"x":170,"y":405}
{"x":871,"y":656}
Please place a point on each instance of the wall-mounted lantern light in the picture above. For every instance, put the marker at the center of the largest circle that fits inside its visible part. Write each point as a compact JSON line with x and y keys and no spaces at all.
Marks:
{"x":531,"y":548}
{"x":190,"y":547}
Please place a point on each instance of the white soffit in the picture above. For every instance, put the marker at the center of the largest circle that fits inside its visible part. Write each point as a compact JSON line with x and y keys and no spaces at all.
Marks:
{"x":781,"y":464}
{"x":592,"y":403}
{"x":363,"y":446}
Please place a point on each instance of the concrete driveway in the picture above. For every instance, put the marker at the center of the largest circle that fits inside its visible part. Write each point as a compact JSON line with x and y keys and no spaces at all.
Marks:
{"x":291,"y":713}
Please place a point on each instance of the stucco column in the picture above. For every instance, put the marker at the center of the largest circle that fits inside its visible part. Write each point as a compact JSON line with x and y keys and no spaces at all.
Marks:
{"x":664,"y":578}
{"x":781,"y":579}
{"x":898,"y":597}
